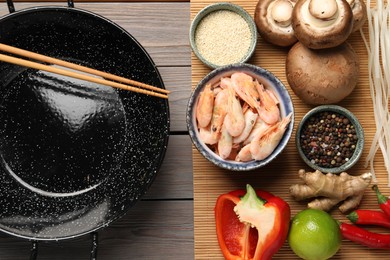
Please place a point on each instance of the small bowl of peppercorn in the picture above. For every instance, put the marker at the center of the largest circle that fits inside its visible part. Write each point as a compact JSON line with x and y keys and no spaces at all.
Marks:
{"x":330,"y":139}
{"x":222,"y":34}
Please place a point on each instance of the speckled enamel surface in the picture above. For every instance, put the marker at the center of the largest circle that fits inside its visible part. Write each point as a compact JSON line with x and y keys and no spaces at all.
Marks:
{"x":74,"y":155}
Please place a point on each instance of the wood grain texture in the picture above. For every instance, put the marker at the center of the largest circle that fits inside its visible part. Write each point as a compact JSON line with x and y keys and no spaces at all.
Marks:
{"x":210,"y":181}
{"x":160,"y":226}
{"x":174,"y":181}
{"x":161,"y":28}
{"x":150,"y":230}
{"x":178,"y":81}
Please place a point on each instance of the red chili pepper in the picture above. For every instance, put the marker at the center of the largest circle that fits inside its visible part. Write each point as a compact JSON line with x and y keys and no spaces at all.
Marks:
{"x":384,"y":202}
{"x":369,"y":217}
{"x":365,"y":237}
{"x":251,"y":225}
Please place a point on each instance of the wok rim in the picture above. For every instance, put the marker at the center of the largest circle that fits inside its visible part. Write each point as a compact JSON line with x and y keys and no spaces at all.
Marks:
{"x":158,"y":159}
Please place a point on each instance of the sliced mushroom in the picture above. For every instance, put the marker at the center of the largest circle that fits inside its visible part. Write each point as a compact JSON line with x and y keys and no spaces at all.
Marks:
{"x":324,"y":76}
{"x":273,"y":21}
{"x":321,"y":24}
{"x":359,"y":11}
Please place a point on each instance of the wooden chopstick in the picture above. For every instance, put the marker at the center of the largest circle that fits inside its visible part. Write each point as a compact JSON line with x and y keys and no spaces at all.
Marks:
{"x":154,"y":91}
{"x":39,"y":66}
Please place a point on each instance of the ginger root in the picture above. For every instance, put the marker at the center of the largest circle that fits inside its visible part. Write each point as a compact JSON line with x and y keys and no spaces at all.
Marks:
{"x":331,"y":189}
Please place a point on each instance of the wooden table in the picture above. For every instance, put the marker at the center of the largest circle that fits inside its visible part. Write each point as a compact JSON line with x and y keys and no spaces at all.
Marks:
{"x":160,"y":226}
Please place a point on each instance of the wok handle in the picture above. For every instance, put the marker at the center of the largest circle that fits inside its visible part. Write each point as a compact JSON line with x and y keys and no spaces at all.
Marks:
{"x":34,"y":248}
{"x":11,"y":6}
{"x":70,"y":3}
{"x":94,"y":246}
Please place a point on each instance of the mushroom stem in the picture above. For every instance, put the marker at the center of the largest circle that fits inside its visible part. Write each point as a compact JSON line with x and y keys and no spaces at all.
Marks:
{"x":320,"y":24}
{"x":351,"y":3}
{"x":323,"y":9}
{"x":274,"y":21}
{"x":281,"y":12}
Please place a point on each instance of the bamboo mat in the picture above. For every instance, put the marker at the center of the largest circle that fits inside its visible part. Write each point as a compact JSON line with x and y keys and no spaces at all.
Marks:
{"x":211,"y":181}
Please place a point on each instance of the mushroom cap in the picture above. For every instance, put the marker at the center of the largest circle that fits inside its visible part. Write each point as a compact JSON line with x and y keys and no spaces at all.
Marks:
{"x":325,"y":76}
{"x":359,"y":12}
{"x":273,"y":21}
{"x":318,"y":25}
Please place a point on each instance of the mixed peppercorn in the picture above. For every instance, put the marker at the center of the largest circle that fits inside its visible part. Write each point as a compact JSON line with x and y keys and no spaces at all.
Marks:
{"x":328,"y":139}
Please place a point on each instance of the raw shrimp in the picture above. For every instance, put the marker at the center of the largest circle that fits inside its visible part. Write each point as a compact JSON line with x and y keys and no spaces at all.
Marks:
{"x":225,"y":142}
{"x":245,"y":107}
{"x":244,"y":122}
{"x":250,"y":121}
{"x":272,"y":94}
{"x":234,"y":121}
{"x":206,"y":135}
{"x":259,"y":128}
{"x":244,"y":86}
{"x":204,"y":109}
{"x":244,"y":155}
{"x":216,"y":90}
{"x":226,"y":83}
{"x":219,"y":113}
{"x":262,"y":147}
{"x":269,"y":110}
{"x":234,"y":152}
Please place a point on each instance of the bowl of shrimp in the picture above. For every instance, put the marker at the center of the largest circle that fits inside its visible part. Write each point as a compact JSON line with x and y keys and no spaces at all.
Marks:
{"x":240,"y":117}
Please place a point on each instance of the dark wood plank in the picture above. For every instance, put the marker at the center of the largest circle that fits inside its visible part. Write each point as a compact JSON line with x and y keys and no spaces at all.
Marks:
{"x":178,"y":81}
{"x":153,"y":230}
{"x":174,"y":181}
{"x":150,"y":230}
{"x":161,"y":28}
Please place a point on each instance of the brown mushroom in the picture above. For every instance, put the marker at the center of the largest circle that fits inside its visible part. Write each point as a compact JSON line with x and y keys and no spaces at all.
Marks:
{"x":273,"y":21}
{"x":320,"y":24}
{"x":323,"y":76}
{"x":359,"y":11}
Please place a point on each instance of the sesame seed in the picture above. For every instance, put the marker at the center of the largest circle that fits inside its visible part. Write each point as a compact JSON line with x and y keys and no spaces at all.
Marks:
{"x":223,"y":37}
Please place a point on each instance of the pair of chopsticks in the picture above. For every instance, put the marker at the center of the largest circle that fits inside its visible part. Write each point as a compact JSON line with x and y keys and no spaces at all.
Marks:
{"x":114,"y":80}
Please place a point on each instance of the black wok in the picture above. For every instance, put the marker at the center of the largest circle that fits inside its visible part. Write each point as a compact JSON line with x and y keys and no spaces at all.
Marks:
{"x":74,"y":155}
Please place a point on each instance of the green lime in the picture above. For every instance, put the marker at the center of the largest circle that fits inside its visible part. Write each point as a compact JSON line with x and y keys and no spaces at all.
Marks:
{"x":314,"y":235}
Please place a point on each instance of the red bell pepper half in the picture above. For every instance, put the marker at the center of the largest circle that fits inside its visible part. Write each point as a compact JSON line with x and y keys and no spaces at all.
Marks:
{"x":251,"y":225}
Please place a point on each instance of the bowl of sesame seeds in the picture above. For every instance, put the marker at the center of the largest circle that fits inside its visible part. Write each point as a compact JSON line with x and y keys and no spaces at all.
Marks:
{"x":330,"y":138}
{"x":223,"y":34}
